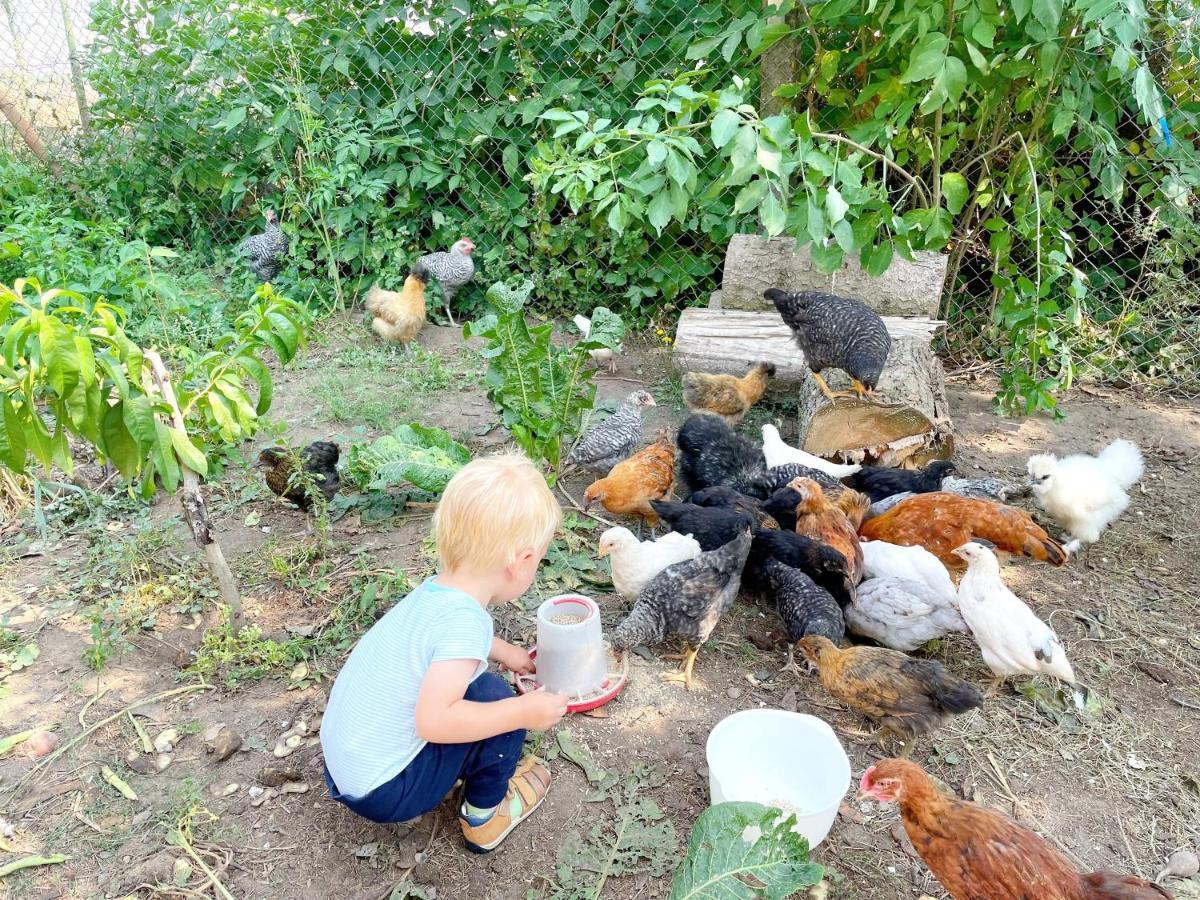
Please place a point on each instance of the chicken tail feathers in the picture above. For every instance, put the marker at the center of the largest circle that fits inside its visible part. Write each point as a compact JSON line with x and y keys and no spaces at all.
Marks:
{"x":955,"y":695}
{"x":1123,"y":460}
{"x":375,"y":298}
{"x":1045,"y":548}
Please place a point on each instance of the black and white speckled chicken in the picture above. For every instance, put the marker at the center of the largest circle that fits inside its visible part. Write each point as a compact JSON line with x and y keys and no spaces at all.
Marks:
{"x":711,"y":453}
{"x":881,"y":482}
{"x":686,"y":600}
{"x":805,"y":607}
{"x":724,"y":497}
{"x":835,"y":333}
{"x":606,"y":444}
{"x":820,"y":562}
{"x":264,"y":253}
{"x":453,"y":269}
{"x":767,"y":483}
{"x":319,"y":463}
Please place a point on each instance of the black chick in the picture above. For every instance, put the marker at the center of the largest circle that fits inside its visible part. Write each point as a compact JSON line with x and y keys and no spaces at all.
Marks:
{"x":686,"y":600}
{"x":319,"y":460}
{"x":763,"y":485}
{"x":880,"y":482}
{"x":781,"y":506}
{"x":835,"y":333}
{"x":711,"y":453}
{"x":712,"y":527}
{"x":820,"y":562}
{"x":724,"y":497}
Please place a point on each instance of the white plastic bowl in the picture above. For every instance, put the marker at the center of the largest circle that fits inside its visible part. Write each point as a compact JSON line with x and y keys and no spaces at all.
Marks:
{"x":774,"y":757}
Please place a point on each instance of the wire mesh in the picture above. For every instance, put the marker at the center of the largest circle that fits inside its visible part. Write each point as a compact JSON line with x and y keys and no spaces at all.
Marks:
{"x":383,"y":130}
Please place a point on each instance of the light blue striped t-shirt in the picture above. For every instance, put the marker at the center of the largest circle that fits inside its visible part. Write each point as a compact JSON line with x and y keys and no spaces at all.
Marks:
{"x":368,"y":733}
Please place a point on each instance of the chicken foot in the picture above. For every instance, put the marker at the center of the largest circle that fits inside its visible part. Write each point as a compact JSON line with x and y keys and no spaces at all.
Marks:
{"x":858,"y":389}
{"x":790,"y":666}
{"x":688,"y":662}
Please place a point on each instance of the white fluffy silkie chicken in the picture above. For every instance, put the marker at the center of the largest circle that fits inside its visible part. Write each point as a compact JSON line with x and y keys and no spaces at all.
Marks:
{"x":634,"y":563}
{"x":1012,"y":639}
{"x":779,"y":453}
{"x":884,"y":560}
{"x":1085,"y":494}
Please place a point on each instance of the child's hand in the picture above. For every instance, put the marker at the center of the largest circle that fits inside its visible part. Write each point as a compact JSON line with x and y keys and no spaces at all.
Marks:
{"x":544,"y":709}
{"x":513,"y":658}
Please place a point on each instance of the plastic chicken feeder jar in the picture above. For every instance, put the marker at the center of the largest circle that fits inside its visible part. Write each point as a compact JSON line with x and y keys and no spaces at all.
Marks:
{"x":788,"y":760}
{"x":571,"y":658}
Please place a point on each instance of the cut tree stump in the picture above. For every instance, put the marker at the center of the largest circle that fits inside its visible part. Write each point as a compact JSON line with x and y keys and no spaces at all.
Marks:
{"x":753,"y":264}
{"x":910,"y":422}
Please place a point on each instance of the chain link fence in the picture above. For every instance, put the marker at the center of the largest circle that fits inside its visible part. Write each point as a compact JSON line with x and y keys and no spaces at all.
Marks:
{"x":382,"y":130}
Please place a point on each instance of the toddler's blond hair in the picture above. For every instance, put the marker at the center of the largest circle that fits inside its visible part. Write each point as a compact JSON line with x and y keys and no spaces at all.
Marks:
{"x":494,"y":508}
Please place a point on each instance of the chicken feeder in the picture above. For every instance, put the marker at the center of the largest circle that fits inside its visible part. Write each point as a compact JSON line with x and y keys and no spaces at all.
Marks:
{"x":790,"y":761}
{"x":572,"y":656}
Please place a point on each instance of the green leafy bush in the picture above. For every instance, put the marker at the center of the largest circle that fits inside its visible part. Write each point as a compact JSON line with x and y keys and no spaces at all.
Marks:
{"x":541,"y":390}
{"x":414,"y":454}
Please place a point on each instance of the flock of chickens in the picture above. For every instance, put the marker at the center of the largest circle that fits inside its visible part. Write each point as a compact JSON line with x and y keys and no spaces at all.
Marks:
{"x":837,"y":549}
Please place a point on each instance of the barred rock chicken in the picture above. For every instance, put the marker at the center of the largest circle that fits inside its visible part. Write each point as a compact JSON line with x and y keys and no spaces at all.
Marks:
{"x":1085,"y":494}
{"x":767,"y":483}
{"x":879,"y":507}
{"x":318,"y":463}
{"x":979,"y":853}
{"x":1012,"y":639}
{"x":726,"y":396}
{"x":986,"y":488}
{"x":634,"y":563}
{"x":806,"y":608}
{"x":942,"y":522}
{"x":829,"y":523}
{"x":399,"y":316}
{"x":686,"y":600}
{"x":712,"y":526}
{"x":779,"y":453}
{"x":606,"y":444}
{"x":725,"y":497}
{"x":908,"y":697}
{"x":820,"y":562}
{"x":881,"y":482}
{"x":629,"y":488}
{"x":264,"y":252}
{"x":901,"y":613}
{"x":601,"y":356}
{"x":453,"y":269}
{"x":835,"y":333}
{"x":712,"y":453}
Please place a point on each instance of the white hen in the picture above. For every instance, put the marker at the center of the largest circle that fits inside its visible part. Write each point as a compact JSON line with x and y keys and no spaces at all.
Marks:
{"x":884,"y":560}
{"x":1085,"y":494}
{"x":901,"y":614}
{"x":634,"y":563}
{"x":780,"y":453}
{"x":1013,"y":640}
{"x":601,"y":356}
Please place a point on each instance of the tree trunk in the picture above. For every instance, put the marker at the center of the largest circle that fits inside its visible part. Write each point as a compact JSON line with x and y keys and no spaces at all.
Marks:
{"x":778,"y":67}
{"x":28,"y":135}
{"x":76,"y":69}
{"x":195,"y":511}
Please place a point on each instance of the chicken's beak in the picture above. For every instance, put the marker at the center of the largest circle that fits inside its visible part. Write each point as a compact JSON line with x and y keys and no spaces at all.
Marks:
{"x":602,"y":551}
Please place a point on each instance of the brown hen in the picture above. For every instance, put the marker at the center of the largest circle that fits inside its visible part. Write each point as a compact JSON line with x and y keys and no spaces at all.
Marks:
{"x":940,"y":522}
{"x":399,"y":316}
{"x":980,"y":854}
{"x":631,"y":484}
{"x":829,"y":523}
{"x":727,"y":396}
{"x":907,"y":696}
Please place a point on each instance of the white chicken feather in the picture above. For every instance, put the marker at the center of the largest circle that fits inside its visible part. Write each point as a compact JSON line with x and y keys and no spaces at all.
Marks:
{"x":902,"y":614}
{"x":1012,"y":639}
{"x":601,"y":356}
{"x":780,"y":453}
{"x":884,"y":560}
{"x":1085,"y":494}
{"x":635,"y":563}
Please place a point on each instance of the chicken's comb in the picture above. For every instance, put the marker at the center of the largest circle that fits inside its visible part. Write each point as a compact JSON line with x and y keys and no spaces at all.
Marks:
{"x":865,"y":782}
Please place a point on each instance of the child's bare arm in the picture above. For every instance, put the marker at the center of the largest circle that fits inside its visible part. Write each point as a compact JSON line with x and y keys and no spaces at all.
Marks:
{"x":511,"y":656}
{"x":443,"y":716}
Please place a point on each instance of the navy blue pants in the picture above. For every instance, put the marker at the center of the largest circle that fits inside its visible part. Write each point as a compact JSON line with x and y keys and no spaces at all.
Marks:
{"x":484,"y":766}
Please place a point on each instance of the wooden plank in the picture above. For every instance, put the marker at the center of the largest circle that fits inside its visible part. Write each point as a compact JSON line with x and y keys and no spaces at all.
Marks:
{"x":730,"y":341}
{"x":753,"y":264}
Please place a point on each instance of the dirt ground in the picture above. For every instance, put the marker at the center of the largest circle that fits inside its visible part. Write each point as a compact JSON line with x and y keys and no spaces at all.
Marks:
{"x":1116,"y":786}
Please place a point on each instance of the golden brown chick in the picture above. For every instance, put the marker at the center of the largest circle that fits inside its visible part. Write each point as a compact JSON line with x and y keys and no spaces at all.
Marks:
{"x":631,"y":484}
{"x":726,"y":395}
{"x":980,"y":854}
{"x":399,"y":316}
{"x":854,"y":505}
{"x":829,"y":524}
{"x":908,"y":697}
{"x":941,"y":522}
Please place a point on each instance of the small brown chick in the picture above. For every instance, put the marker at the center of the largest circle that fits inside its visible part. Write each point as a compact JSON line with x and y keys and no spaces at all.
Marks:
{"x":319,"y":463}
{"x":399,"y":316}
{"x":631,"y":484}
{"x":908,"y":697}
{"x":820,"y":519}
{"x":726,"y":395}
